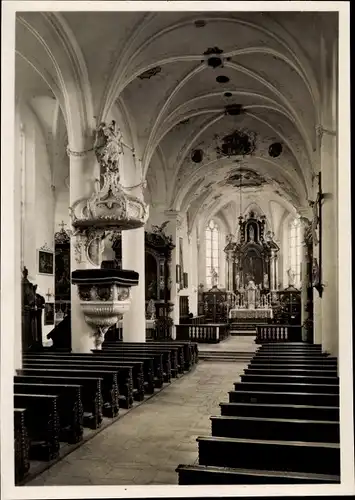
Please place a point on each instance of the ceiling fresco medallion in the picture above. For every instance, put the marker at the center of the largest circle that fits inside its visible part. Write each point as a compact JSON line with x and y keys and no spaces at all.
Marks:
{"x":238,"y":143}
{"x":245,"y":178}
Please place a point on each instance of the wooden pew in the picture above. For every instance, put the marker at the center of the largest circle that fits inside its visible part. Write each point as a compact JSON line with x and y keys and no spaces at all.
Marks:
{"x":70,"y":408}
{"x":147,"y":361}
{"x":42,"y":422}
{"x":290,"y":379}
{"x":111,"y":384}
{"x":275,"y":429}
{"x":169,"y":353}
{"x":293,"y":456}
{"x":317,"y":349}
{"x":137,"y":372}
{"x":21,"y":445}
{"x":286,"y":397}
{"x":157,"y":359}
{"x":293,"y":361}
{"x":302,"y":412}
{"x":285,"y":370}
{"x":292,"y":355}
{"x":190,"y":350}
{"x":170,"y":356}
{"x":91,"y":395}
{"x":208,"y":474}
{"x":289,"y":387}
{"x":293,"y":366}
{"x":179,"y":350}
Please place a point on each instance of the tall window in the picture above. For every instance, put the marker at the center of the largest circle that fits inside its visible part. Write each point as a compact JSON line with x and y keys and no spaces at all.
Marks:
{"x":295,"y":249}
{"x":212,"y":254}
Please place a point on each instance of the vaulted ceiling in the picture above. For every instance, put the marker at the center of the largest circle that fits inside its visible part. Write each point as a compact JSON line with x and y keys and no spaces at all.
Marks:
{"x":172,"y":76}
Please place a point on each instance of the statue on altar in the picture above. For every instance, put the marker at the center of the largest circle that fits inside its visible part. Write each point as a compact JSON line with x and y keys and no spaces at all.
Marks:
{"x":251,"y":294}
{"x":266,"y":281}
{"x":214,"y":276}
{"x":291,"y":277}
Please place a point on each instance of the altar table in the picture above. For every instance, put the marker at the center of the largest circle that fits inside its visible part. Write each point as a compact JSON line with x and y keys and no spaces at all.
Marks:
{"x":250,"y":314}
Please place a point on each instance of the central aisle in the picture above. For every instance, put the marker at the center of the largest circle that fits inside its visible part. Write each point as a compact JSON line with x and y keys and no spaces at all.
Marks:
{"x":147,"y":444}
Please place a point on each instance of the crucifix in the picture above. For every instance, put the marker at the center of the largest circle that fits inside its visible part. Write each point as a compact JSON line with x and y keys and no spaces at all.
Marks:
{"x":48,"y":294}
{"x":62,"y":225}
{"x":317,"y":224}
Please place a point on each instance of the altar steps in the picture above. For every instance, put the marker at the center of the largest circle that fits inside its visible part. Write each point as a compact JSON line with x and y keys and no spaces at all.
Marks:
{"x":247,"y":329}
{"x":226,"y":356}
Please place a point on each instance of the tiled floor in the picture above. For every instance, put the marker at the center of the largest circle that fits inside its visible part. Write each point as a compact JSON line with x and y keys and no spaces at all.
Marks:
{"x":147,"y":445}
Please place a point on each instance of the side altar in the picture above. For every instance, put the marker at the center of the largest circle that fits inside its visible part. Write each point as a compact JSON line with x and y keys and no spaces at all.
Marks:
{"x":252,"y":270}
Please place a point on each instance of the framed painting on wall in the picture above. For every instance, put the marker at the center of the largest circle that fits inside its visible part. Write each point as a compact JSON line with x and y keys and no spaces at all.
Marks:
{"x":45,"y":261}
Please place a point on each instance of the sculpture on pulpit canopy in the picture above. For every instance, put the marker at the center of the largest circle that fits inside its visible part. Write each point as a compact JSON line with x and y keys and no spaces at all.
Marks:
{"x":108,"y":145}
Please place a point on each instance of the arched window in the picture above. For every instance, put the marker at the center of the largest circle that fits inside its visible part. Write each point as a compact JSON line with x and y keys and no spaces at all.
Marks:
{"x":295,"y":249}
{"x":212,"y":254}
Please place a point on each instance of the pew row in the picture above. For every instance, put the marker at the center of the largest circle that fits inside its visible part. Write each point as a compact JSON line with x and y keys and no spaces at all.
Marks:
{"x":209,"y":474}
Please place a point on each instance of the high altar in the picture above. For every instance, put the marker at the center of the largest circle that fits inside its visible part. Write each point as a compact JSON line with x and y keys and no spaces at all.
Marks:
{"x":252,"y":270}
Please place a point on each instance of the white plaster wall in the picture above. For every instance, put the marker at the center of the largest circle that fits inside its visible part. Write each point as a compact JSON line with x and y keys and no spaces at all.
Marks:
{"x":38,"y":204}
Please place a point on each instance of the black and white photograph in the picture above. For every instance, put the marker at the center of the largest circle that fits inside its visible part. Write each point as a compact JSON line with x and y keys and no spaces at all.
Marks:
{"x":189,"y":162}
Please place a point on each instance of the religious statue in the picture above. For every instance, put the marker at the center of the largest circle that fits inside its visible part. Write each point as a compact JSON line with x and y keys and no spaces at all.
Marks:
{"x":258,"y":290}
{"x":151,"y":309}
{"x":291,"y":277}
{"x":251,"y":294}
{"x":314,"y":222}
{"x":108,"y":145}
{"x":266,"y":280}
{"x":251,"y":233}
{"x":214,"y":276}
{"x":237,"y":281}
{"x":39,"y":308}
{"x":160,"y":229}
{"x":229,"y":239}
{"x":315,"y":272}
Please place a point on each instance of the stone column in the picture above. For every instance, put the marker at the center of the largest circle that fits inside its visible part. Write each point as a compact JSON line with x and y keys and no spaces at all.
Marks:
{"x":172,"y":229}
{"x":327,"y":147}
{"x":133,"y":259}
{"x":230,"y":274}
{"x":273,"y":285}
{"x":329,"y":244}
{"x":84,"y":169}
{"x":304,"y":289}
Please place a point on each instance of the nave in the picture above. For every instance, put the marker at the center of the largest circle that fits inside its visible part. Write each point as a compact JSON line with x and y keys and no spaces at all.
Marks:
{"x":274,"y":420}
{"x":146,"y":445}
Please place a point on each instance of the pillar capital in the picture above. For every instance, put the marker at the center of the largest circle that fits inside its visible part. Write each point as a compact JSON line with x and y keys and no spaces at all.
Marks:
{"x":175,"y":216}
